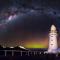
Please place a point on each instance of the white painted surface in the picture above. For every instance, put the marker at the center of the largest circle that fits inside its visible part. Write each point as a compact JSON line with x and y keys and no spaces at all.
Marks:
{"x":53,"y":40}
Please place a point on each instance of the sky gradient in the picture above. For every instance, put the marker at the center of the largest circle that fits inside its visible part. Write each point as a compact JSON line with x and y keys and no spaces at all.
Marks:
{"x":28,"y":23}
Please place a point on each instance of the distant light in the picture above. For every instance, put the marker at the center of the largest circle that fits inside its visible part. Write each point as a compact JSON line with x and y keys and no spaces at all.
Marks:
{"x":11,"y":47}
{"x":22,"y":47}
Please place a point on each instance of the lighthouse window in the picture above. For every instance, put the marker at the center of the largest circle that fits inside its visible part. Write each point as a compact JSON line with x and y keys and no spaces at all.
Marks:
{"x":51,"y":44}
{"x":51,"y":36}
{"x":51,"y":40}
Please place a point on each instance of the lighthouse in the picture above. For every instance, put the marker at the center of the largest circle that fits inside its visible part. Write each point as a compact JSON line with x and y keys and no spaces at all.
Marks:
{"x":52,"y":48}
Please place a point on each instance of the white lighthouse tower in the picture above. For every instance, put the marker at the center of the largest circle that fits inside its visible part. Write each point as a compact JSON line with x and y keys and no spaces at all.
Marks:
{"x":53,"y":40}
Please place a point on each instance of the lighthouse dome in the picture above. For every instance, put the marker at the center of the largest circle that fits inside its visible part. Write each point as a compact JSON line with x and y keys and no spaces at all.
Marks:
{"x":53,"y":28}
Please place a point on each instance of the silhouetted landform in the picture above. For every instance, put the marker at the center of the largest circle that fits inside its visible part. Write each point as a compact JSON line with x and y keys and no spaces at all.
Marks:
{"x":14,"y":48}
{"x":42,"y":56}
{"x":18,"y":53}
{"x":38,"y":49}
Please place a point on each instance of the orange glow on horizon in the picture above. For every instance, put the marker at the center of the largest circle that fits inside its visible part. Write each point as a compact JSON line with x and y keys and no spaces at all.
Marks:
{"x":36,"y":43}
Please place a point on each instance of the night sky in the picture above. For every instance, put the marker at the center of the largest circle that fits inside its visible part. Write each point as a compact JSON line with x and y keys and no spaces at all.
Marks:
{"x":27,"y":22}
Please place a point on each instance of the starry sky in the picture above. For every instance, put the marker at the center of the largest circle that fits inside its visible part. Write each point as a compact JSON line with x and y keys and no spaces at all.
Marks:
{"x":28,"y":22}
